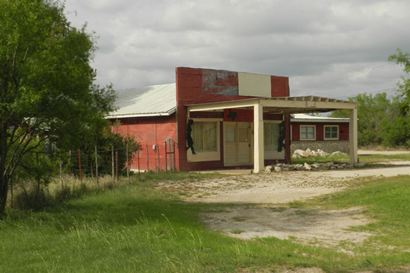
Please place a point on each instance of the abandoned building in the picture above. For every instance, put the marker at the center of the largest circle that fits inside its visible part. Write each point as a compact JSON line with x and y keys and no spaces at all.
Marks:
{"x":233,"y":119}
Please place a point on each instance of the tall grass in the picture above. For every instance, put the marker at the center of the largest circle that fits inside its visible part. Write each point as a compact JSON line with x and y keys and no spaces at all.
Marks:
{"x":28,"y":195}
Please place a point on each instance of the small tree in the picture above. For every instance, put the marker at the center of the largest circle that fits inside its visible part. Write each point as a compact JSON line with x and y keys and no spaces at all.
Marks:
{"x":399,"y":130}
{"x":46,"y":84}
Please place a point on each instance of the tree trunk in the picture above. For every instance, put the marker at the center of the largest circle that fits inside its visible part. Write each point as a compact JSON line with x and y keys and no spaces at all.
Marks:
{"x":4,"y":181}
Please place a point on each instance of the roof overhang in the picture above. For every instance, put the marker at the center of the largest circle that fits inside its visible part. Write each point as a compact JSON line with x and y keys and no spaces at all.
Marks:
{"x":303,"y":104}
{"x":327,"y":120}
{"x":142,"y":115}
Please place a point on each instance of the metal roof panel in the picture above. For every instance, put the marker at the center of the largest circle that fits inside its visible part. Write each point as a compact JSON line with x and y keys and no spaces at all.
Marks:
{"x":154,"y":100}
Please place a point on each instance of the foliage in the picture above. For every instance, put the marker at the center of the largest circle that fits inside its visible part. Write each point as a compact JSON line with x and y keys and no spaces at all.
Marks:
{"x":400,"y":129}
{"x":403,"y":59}
{"x":384,"y":120}
{"x":46,"y":84}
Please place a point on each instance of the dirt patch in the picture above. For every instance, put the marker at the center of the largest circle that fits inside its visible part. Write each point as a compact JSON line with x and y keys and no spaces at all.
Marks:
{"x":302,"y":270}
{"x":283,"y":270}
{"x":256,"y":201}
{"x":313,"y":226}
{"x":274,"y":188}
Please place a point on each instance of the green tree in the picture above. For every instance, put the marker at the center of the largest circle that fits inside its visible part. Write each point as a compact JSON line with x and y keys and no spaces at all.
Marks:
{"x":374,"y":112}
{"x":399,"y":130}
{"x":403,"y":59}
{"x":46,"y":84}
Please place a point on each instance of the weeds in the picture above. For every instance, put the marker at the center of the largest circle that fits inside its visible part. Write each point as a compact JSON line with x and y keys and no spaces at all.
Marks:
{"x":28,"y":195}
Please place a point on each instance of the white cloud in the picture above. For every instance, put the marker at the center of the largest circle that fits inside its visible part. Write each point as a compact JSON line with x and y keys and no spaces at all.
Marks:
{"x":331,"y":48}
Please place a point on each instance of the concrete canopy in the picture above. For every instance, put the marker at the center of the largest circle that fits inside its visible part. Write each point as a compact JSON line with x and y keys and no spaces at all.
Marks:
{"x":285,"y":105}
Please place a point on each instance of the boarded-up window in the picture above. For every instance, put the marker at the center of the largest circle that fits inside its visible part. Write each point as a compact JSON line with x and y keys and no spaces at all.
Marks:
{"x":271,"y":135}
{"x":204,"y":135}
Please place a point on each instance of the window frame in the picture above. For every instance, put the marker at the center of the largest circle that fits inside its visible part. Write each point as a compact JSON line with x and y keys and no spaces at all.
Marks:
{"x":307,"y":126}
{"x":209,"y":155}
{"x":330,"y":126}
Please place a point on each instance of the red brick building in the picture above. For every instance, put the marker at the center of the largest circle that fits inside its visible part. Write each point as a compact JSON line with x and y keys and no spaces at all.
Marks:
{"x":239,"y":120}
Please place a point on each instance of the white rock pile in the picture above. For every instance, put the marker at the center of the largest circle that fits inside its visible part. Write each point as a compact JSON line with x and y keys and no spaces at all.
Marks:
{"x":313,"y":153}
{"x":281,"y":167}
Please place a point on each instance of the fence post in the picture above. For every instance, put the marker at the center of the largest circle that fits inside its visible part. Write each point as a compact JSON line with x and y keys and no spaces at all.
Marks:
{"x":173,"y":156}
{"x":138,"y":161}
{"x":166,"y":156}
{"x":96,"y":163}
{"x":112,"y":163}
{"x":128,"y":163}
{"x":69,"y":162}
{"x":61,"y":174}
{"x":80,"y":170}
{"x":158,"y":158}
{"x":116,"y":165}
{"x":147,"y":157}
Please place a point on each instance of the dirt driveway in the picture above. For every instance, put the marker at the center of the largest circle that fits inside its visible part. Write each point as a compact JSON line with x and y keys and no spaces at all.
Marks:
{"x":258,"y":204}
{"x":275,"y":188}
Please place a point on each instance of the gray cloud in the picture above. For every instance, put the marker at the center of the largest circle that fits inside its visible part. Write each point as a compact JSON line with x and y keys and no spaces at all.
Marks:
{"x":330,"y":48}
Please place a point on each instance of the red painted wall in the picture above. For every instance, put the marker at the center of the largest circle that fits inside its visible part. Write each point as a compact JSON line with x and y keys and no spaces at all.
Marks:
{"x":148,"y":132}
{"x":343,"y":130}
{"x":279,"y":86}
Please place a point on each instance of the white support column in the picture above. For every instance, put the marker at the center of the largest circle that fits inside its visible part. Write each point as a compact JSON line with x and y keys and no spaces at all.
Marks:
{"x":353,"y":136}
{"x":258,"y":145}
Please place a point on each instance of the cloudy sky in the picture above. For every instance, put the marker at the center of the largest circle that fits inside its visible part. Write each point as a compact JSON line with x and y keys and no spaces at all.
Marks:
{"x":333,"y":48}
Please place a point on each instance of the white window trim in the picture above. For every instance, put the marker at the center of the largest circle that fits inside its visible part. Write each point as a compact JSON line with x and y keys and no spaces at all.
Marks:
{"x":332,"y":138}
{"x":307,"y":126}
{"x":207,"y":156}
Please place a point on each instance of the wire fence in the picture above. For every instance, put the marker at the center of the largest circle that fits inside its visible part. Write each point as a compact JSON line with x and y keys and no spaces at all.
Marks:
{"x":113,"y":161}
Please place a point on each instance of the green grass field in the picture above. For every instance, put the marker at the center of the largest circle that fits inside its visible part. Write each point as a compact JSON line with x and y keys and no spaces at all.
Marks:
{"x":380,"y":157}
{"x":135,"y":228}
{"x":373,"y":158}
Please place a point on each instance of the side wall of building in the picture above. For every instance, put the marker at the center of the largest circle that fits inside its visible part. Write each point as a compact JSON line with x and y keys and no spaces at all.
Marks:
{"x":152,"y":134}
{"x":341,"y":144}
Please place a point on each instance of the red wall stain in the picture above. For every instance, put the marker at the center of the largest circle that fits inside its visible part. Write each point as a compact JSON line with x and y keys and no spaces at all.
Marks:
{"x":207,"y":115}
{"x":238,"y":115}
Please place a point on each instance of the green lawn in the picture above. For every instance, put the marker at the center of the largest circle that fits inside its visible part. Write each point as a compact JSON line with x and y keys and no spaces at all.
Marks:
{"x":374,"y":158}
{"x":380,"y":157}
{"x":137,"y":229}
